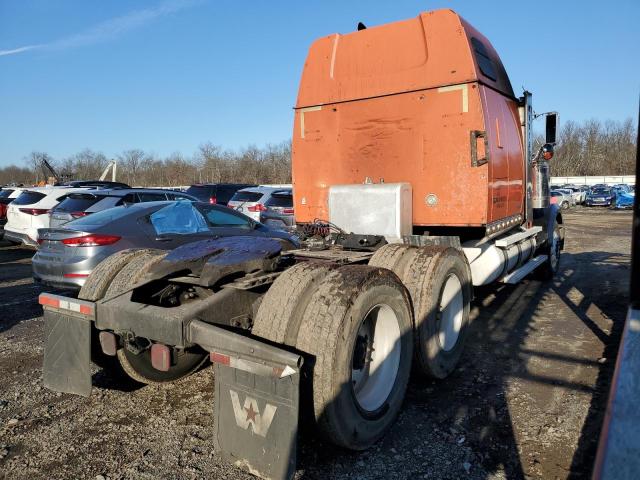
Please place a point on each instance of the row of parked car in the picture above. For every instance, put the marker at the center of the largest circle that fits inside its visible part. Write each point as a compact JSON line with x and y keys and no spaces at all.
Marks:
{"x":76,"y":226}
{"x":618,"y":196}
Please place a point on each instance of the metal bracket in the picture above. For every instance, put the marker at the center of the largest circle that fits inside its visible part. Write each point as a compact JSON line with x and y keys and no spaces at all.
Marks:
{"x":426,"y":240}
{"x":475,"y":161}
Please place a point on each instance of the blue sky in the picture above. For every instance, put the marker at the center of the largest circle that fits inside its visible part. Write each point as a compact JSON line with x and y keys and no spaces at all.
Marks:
{"x":166,"y":76}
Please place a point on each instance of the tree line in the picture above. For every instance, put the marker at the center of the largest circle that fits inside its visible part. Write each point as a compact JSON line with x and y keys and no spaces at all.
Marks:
{"x":588,"y":148}
{"x":210,"y":164}
{"x":594,"y":148}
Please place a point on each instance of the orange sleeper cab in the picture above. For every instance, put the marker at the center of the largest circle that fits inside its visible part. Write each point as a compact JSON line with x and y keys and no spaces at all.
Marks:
{"x":400,"y":103}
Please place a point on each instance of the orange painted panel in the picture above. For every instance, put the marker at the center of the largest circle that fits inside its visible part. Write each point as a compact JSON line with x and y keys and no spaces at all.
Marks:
{"x":421,"y":138}
{"x":428,"y":51}
{"x":398,"y":103}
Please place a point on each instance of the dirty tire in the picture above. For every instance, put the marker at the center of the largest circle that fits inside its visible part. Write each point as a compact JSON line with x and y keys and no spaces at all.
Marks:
{"x":139,"y":367}
{"x":427,"y":279}
{"x":101,"y":277}
{"x":94,"y":289}
{"x":395,"y":257}
{"x":328,"y":334}
{"x":133,"y":271}
{"x":281,"y":309}
{"x":550,"y":267}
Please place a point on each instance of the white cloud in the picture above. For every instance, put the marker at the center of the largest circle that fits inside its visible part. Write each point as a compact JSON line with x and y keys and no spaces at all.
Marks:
{"x":19,"y":50}
{"x":109,"y":29}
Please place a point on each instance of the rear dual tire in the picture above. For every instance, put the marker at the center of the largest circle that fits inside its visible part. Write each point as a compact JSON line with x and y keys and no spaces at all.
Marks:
{"x":354,"y":325}
{"x":439,"y":282}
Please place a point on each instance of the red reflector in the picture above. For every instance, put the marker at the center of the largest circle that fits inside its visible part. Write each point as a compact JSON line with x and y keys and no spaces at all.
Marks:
{"x":288,"y":211}
{"x":91,"y":240}
{"x":34,"y":211}
{"x":220,"y":358}
{"x":75,"y":275}
{"x":257,"y":208}
{"x":85,"y":310}
{"x":213,"y":200}
{"x":51,"y":302}
{"x":160,"y":357}
{"x":109,"y":343}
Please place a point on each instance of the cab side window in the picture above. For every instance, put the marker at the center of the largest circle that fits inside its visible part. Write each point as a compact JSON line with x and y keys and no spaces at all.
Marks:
{"x":484,"y":60}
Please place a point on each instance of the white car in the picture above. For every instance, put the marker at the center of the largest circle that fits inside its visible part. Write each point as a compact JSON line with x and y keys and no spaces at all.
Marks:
{"x":577,"y":194}
{"x":7,"y":195}
{"x":30,"y":211}
{"x":569,"y":193}
{"x":256,"y":202}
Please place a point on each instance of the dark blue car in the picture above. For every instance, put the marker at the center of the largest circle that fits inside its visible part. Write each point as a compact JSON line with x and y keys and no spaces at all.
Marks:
{"x":600,"y":197}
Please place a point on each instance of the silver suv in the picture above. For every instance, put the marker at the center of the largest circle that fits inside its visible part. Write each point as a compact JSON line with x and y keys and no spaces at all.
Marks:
{"x":272,"y":206}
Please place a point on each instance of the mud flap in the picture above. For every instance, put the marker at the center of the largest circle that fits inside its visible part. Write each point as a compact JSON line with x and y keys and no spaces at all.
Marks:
{"x":67,"y":355}
{"x":257,"y":394}
{"x":256,"y":421}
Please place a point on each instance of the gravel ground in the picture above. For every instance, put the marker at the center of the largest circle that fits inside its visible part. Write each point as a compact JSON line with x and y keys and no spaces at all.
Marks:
{"x":526,"y":402}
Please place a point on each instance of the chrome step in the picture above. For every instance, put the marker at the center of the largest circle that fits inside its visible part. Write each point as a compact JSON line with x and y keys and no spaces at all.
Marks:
{"x":519,"y":273}
{"x":516,"y":237}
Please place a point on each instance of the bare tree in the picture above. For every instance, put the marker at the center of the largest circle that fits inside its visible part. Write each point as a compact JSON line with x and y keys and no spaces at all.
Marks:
{"x":588,"y":148}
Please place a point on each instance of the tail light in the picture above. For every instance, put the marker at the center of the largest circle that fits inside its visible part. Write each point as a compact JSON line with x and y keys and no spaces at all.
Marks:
{"x":79,"y":214}
{"x":75,"y":275}
{"x":257,"y":208}
{"x":91,"y":240}
{"x":213,"y":200}
{"x":34,"y":211}
{"x":3,"y":210}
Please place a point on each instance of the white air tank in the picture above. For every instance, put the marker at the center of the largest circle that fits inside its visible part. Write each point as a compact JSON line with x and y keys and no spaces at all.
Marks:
{"x":489,"y":263}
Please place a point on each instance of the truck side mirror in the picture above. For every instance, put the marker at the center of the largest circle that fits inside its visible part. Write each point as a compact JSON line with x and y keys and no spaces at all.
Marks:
{"x":551,"y":127}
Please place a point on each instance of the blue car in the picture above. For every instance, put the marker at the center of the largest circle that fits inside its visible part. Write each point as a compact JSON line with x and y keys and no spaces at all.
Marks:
{"x":625,"y":200}
{"x":600,"y":197}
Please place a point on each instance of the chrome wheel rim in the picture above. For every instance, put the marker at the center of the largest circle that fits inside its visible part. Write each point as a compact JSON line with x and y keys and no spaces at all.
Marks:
{"x":450,"y":312}
{"x":375,"y":359}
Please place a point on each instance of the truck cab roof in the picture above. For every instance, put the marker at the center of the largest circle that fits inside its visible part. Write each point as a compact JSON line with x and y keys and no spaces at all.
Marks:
{"x":435,"y":49}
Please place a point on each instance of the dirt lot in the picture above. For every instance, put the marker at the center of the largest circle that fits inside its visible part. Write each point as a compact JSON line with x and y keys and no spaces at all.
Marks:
{"x":527,"y":401}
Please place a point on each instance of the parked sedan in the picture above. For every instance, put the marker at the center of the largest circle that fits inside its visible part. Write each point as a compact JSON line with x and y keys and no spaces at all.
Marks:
{"x":563,"y":199}
{"x":68,"y":254}
{"x":600,"y":197}
{"x":81,"y":204}
{"x":579,"y":195}
{"x":570,"y":195}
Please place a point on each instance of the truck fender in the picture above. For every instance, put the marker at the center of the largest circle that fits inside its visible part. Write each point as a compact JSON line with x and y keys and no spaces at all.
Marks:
{"x":555,"y":214}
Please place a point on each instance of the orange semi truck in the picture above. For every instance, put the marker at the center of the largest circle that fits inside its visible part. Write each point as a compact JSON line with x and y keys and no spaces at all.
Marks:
{"x":415,"y":180}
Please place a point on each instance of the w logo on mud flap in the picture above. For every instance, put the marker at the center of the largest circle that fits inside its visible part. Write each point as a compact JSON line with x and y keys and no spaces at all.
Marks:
{"x":249,"y":414}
